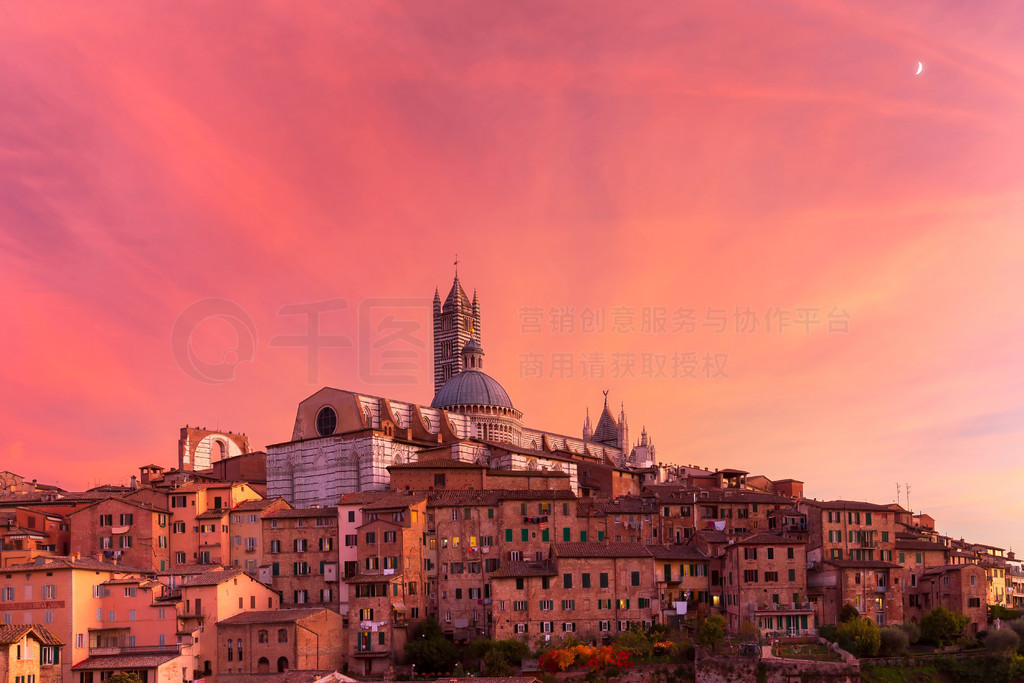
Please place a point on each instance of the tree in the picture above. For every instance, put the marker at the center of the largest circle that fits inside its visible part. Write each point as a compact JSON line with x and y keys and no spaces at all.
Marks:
{"x":860,"y":637}
{"x":123,"y":677}
{"x":712,"y":631}
{"x":940,"y":626}
{"x":895,"y":641}
{"x":1003,"y":640}
{"x":848,"y":613}
{"x":429,"y":650}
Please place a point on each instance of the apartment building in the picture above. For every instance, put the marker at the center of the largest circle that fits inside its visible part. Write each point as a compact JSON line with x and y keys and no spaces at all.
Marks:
{"x":245,"y":527}
{"x":300,"y":556}
{"x":27,"y":533}
{"x":958,"y":587}
{"x":764,"y":582}
{"x":683,"y":577}
{"x":133,"y":532}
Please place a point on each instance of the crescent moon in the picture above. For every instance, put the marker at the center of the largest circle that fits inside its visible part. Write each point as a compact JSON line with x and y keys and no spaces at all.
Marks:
{"x":920,"y":68}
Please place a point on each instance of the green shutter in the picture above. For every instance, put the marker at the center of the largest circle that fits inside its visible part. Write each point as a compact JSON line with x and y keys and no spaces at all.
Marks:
{"x":526,"y":535}
{"x":566,"y":534}
{"x":508,"y":535}
{"x":583,"y":536}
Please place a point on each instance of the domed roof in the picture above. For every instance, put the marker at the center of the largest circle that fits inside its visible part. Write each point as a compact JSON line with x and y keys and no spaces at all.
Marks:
{"x":473,"y":346}
{"x":471,"y":387}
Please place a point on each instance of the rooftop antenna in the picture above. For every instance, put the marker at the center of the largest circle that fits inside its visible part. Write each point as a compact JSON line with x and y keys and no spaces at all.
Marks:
{"x":908,"y":499}
{"x":897,"y":493}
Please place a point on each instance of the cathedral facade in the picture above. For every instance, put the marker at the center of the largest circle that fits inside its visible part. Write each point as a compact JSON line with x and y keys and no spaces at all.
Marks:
{"x":344,"y":441}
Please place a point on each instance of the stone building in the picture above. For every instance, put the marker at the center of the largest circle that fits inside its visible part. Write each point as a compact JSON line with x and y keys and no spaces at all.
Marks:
{"x":764,"y":579}
{"x":29,"y":653}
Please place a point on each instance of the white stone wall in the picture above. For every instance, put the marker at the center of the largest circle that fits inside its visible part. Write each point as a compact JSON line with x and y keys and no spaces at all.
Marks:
{"x":320,"y":471}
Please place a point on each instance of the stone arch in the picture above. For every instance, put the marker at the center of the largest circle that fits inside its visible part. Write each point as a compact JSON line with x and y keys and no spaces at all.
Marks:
{"x":263,"y":666}
{"x":282,"y":664}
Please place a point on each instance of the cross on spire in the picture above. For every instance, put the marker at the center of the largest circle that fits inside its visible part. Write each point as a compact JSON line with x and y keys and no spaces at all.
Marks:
{"x":456,"y":264}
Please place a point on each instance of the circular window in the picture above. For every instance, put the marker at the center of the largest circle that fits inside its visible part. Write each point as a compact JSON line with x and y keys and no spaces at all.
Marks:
{"x":326,"y":421}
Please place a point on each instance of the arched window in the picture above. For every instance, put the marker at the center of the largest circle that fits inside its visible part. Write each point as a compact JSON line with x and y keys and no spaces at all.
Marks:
{"x":282,"y":664}
{"x":282,"y":636}
{"x":231,"y":651}
{"x":222,"y":450}
{"x":239,"y":645}
{"x":263,"y":637}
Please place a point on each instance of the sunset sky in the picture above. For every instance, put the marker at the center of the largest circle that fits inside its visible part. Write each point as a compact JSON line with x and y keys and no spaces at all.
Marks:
{"x":204,"y":163}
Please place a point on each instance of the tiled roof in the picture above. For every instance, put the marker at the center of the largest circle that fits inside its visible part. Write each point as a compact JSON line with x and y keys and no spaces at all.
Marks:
{"x":271,"y":616}
{"x":438,"y":463}
{"x":213,"y":577}
{"x":194,"y":486}
{"x":65,"y":562}
{"x":258,"y":504}
{"x":510,"y":570}
{"x":361,"y":497}
{"x":584,"y":549}
{"x":215,"y":513}
{"x":398,"y":499}
{"x":295,"y":513}
{"x":912,"y":544}
{"x":527,"y":473}
{"x":863,"y":564}
{"x":461,"y":498}
{"x":629,"y":505}
{"x":677,"y":552}
{"x":740,"y":496}
{"x":846,"y":505}
{"x":148,"y":507}
{"x":114,"y":662}
{"x":947,"y":568}
{"x":713,"y":535}
{"x":373,"y":578}
{"x":10,"y":634}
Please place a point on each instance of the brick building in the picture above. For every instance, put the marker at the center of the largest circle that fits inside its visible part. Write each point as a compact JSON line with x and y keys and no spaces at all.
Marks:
{"x":764,"y":582}
{"x":278,"y":641}
{"x":959,"y":588}
{"x":29,"y":653}
{"x":300,"y":556}
{"x":133,"y":532}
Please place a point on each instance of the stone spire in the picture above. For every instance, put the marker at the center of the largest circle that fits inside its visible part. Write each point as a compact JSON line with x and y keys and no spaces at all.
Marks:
{"x":588,"y":430}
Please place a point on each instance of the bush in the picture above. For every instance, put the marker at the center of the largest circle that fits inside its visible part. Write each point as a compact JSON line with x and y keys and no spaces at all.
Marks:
{"x":828,"y":633}
{"x":912,"y":631}
{"x":859,"y":637}
{"x":848,"y":613}
{"x":1003,"y":640}
{"x":894,"y":641}
{"x":429,"y":650}
{"x":712,"y":631}
{"x":941,"y":626}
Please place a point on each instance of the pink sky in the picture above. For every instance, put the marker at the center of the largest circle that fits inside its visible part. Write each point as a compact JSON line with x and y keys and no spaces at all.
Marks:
{"x":589,"y":155}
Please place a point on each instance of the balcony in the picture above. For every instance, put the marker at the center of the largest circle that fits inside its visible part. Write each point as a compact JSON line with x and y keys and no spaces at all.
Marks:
{"x":882,"y":589}
{"x":371,"y":651}
{"x":535,"y":519}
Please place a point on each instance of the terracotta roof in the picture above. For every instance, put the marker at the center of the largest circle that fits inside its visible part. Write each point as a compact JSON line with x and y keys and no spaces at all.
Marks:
{"x":948,"y":568}
{"x":629,"y":505}
{"x":134,"y":661}
{"x":212,"y":577}
{"x":585,"y":549}
{"x":740,"y":496}
{"x":678,"y":552}
{"x":65,"y":562}
{"x":863,"y":564}
{"x":271,"y":616}
{"x":10,"y":634}
{"x":215,"y":513}
{"x":397,"y":499}
{"x":438,"y":463}
{"x":194,"y":486}
{"x":526,"y":473}
{"x":846,"y":505}
{"x":148,"y":507}
{"x":461,"y":498}
{"x":295,"y":513}
{"x":361,"y":497}
{"x":257,"y":504}
{"x":518,"y":569}
{"x":713,"y":535}
{"x":913,"y":544}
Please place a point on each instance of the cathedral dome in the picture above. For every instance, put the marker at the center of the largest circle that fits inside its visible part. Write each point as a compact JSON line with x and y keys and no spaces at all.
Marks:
{"x":471,"y":387}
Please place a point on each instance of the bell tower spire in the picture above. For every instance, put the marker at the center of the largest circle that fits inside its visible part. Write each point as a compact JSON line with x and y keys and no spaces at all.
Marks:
{"x":456,"y":322}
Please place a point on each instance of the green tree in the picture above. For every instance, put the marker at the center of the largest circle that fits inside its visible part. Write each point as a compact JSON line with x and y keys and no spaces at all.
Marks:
{"x":848,"y":613}
{"x":860,"y":637}
{"x":712,"y":631}
{"x":941,"y":626}
{"x":1003,"y":640}
{"x":429,"y":650}
{"x":123,"y":677}
{"x":895,"y":641}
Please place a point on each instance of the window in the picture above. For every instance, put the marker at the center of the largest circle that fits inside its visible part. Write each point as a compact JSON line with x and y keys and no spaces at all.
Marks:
{"x":178,"y":528}
{"x":326,"y":422}
{"x":568,"y":627}
{"x":603,"y":580}
{"x":371,"y":537}
{"x":299,"y":545}
{"x":792,"y":575}
{"x":106,"y":520}
{"x":525,"y":535}
{"x":547,"y":605}
{"x":546,"y":626}
{"x":634,"y":578}
{"x":389,"y":537}
{"x":585,"y":580}
{"x":282,"y":633}
{"x":771,"y":553}
{"x":750,"y":553}
{"x":789,"y":553}
{"x":508,"y":535}
{"x":566,"y":580}
{"x":50,"y":591}
{"x":568,"y":605}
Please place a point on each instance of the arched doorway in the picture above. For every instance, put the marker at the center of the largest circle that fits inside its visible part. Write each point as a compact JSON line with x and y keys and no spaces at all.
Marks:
{"x":263,"y":666}
{"x":282,"y":664}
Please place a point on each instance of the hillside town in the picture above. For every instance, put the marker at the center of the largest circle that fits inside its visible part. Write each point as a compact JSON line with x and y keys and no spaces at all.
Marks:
{"x":324,"y":552}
